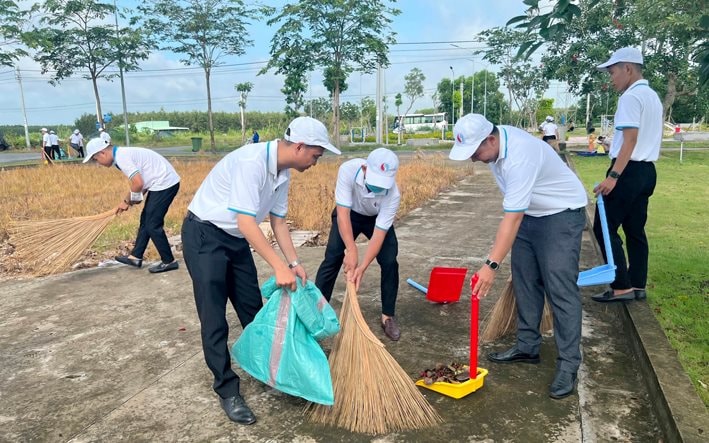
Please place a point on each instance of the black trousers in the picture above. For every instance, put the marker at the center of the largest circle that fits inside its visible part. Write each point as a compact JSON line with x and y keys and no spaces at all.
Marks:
{"x":56,"y":153}
{"x":335,"y":254}
{"x":626,"y":207}
{"x":152,"y":223}
{"x":78,"y":148}
{"x":221,"y":267}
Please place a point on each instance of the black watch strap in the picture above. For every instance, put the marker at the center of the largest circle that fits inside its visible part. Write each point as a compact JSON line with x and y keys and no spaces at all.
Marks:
{"x":492,"y":264}
{"x":613,"y":174}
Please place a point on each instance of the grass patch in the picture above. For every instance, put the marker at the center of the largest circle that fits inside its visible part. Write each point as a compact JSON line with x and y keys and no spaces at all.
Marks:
{"x":74,"y":189}
{"x":678,"y":280}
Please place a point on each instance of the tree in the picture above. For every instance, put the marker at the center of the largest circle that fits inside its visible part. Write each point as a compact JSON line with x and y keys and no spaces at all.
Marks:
{"x":202,"y":31}
{"x":400,"y":124}
{"x":10,"y":32}
{"x":413,"y":89}
{"x":243,"y":89}
{"x":489,"y":101}
{"x":72,"y":36}
{"x":525,"y":84}
{"x":672,"y":33}
{"x":336,"y":35}
{"x":319,"y":108}
{"x":369,"y":112}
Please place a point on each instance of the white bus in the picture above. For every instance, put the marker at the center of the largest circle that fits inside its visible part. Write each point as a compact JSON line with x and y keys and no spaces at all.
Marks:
{"x":420,"y":122}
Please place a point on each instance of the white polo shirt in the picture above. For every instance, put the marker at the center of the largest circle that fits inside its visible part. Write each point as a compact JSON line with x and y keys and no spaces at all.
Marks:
{"x":532,"y":176}
{"x":350,"y":192}
{"x":46,"y":141}
{"x":157,"y":173}
{"x":76,"y":139}
{"x":549,"y":128}
{"x":245,"y":181}
{"x":53,"y":139}
{"x":639,"y":107}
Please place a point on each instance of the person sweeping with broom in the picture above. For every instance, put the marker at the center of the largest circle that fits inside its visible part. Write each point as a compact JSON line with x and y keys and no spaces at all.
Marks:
{"x":367,"y":199}
{"x":222,"y":224}
{"x":148,"y":173}
{"x":542,"y":225}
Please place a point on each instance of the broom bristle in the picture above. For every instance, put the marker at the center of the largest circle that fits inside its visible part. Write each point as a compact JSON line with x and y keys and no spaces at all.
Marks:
{"x":373,"y":394}
{"x":502,"y":319}
{"x":51,"y":246}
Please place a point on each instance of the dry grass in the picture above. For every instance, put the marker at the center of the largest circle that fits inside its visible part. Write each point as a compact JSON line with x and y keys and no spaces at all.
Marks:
{"x":63,"y":191}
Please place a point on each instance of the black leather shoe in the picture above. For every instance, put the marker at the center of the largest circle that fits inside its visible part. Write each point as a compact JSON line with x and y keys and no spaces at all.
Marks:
{"x":640,"y":294}
{"x":391,"y":329}
{"x":135,"y":262}
{"x":237,"y":411}
{"x":164,"y":267}
{"x":563,"y":384}
{"x":513,"y":355}
{"x":608,"y":297}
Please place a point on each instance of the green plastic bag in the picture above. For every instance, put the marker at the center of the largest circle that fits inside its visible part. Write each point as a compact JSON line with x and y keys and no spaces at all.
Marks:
{"x":279,"y":347}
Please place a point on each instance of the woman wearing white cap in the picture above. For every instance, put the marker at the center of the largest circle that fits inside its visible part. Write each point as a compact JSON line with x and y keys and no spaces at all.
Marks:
{"x":148,"y":173}
{"x":246,"y":185}
{"x":366,"y":198}
{"x":543,"y":222}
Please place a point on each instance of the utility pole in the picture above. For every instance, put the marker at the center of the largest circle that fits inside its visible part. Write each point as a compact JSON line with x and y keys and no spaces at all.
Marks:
{"x":452,"y":95}
{"x":485,"y":96}
{"x":24,"y":113}
{"x":120,"y":70}
{"x":379,"y":105}
{"x":461,"y":98}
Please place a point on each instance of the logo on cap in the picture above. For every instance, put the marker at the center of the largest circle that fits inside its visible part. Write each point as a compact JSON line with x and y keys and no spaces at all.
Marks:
{"x":460,"y":138}
{"x":385,"y":167}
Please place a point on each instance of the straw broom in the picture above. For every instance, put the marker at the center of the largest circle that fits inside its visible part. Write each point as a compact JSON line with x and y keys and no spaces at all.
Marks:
{"x":373,"y":394}
{"x":502,"y":319}
{"x":52,"y":246}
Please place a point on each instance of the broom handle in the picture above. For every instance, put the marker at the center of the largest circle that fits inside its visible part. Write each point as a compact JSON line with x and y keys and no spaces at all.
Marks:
{"x":474,"y":311}
{"x":351,"y":295}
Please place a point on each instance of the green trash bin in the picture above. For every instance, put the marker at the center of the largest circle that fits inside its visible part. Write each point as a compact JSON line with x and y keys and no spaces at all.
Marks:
{"x":196,"y":144}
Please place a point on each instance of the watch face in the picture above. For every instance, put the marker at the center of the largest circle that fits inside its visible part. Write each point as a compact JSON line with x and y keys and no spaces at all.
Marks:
{"x":492,"y":264}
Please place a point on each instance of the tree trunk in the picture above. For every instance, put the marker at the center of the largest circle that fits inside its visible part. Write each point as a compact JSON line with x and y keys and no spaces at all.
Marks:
{"x":99,"y":113}
{"x":670,"y":95}
{"x":207,"y":71}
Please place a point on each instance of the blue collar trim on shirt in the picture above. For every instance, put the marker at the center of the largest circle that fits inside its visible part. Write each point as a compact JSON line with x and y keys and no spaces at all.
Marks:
{"x":115,"y":148}
{"x":641,"y":82}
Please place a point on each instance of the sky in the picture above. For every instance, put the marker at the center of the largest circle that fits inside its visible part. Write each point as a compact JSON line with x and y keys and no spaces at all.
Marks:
{"x":431,"y":35}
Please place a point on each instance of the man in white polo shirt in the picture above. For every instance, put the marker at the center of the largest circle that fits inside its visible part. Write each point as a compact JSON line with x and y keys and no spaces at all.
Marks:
{"x":366,"y":198}
{"x":148,"y":173}
{"x":631,"y":177}
{"x":222,"y":222}
{"x":543,"y":221}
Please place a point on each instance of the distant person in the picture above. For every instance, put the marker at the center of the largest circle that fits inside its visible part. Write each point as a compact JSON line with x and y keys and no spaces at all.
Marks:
{"x":76,"y":141}
{"x":631,"y":177}
{"x":151,"y":178}
{"x":220,"y":229}
{"x":255,"y":137}
{"x":47,"y":145}
{"x":366,"y":201}
{"x":550,"y":132}
{"x":54,"y":142}
{"x":544,"y":217}
{"x":104,"y":135}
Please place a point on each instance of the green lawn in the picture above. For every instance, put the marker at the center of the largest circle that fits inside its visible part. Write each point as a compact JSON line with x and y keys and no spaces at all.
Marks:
{"x":678,"y":283}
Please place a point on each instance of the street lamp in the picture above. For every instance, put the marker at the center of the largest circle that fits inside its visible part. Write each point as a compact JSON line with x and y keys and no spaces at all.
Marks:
{"x":485,"y":96}
{"x":472,"y":89}
{"x":452,"y":95}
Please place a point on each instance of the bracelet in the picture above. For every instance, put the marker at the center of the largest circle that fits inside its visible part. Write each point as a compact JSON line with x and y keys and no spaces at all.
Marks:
{"x":294,"y":263}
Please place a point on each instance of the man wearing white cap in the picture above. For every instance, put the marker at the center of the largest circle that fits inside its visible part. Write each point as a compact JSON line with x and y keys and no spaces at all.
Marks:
{"x":47,"y":146}
{"x":149,"y":173}
{"x":550,"y":132}
{"x":54,"y":143}
{"x":631,"y":178}
{"x":542,"y":225}
{"x":222,"y":221}
{"x":76,"y":141}
{"x":366,"y":198}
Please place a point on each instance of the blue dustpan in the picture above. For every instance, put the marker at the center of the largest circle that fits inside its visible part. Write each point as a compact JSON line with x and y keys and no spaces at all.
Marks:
{"x":604,"y":274}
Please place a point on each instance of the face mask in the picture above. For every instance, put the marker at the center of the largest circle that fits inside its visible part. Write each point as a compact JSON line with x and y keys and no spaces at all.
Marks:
{"x":375,"y":189}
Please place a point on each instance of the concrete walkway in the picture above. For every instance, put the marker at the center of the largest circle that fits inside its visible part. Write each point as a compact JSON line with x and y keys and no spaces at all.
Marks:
{"x":114,"y":353}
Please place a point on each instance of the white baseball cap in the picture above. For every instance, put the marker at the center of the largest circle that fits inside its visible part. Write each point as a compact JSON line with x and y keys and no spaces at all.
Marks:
{"x":52,"y":132}
{"x":311,"y":132}
{"x":94,"y":146}
{"x":100,"y":129}
{"x":44,"y":129}
{"x":627,"y":55}
{"x":468,"y":133}
{"x":550,"y":118}
{"x":382,"y":165}
{"x":76,"y":131}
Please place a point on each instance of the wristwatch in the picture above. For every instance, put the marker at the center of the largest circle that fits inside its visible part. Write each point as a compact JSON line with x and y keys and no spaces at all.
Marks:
{"x":492,"y":264}
{"x":293,"y":264}
{"x":613,"y":174}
